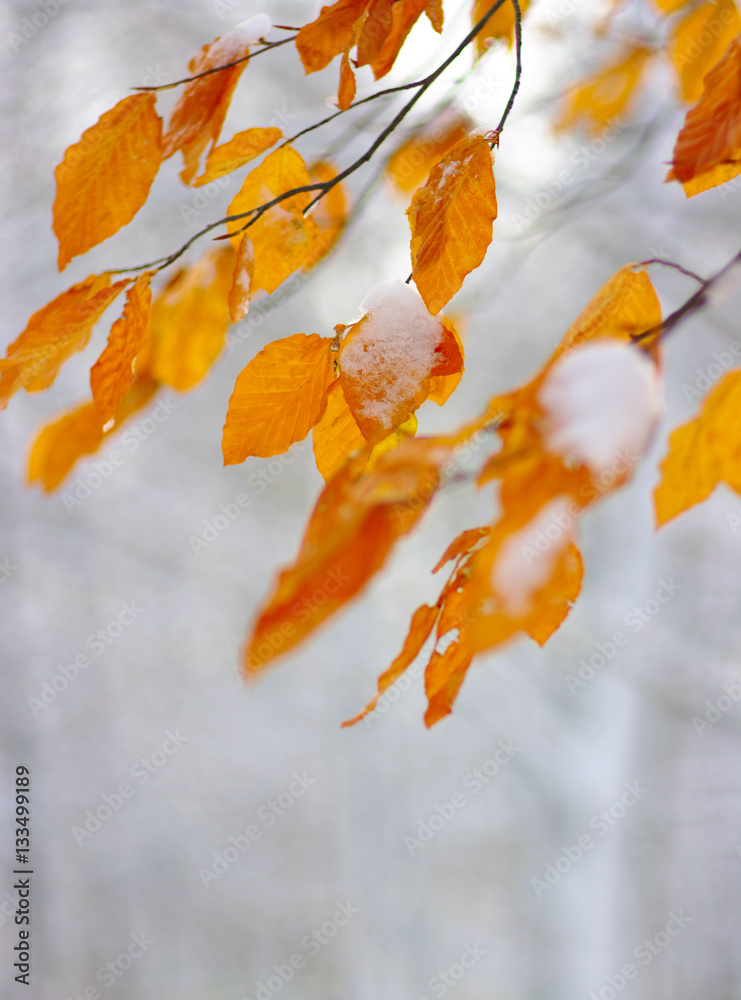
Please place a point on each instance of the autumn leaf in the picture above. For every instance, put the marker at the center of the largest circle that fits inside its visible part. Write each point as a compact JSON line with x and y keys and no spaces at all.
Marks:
{"x":699,"y":41}
{"x":462,"y":545}
{"x":104,"y":179}
{"x":387,"y":358}
{"x":241,"y":149}
{"x":112,"y":374}
{"x":702,"y":453}
{"x":444,"y":675}
{"x":500,"y":25}
{"x":329,"y":35}
{"x":346,"y":93}
{"x":451,"y":220}
{"x":599,"y":100}
{"x":62,"y":328}
{"x":708,"y":148}
{"x":199,"y":114}
{"x":283,"y":240}
{"x":336,"y":435}
{"x":410,"y":164}
{"x":278,"y":397}
{"x":404,"y":15}
{"x":375,"y":28}
{"x":189,"y":320}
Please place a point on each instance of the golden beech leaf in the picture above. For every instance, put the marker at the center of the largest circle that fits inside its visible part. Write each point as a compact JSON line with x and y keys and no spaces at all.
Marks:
{"x":500,"y":25}
{"x":241,"y":148}
{"x":330,"y":215}
{"x":336,"y":435}
{"x":189,"y":320}
{"x":699,"y":41}
{"x":404,"y":15}
{"x":670,"y":6}
{"x":420,"y":629}
{"x":199,"y":114}
{"x":104,"y":179}
{"x":444,"y":675}
{"x":599,"y":100}
{"x":374,"y":29}
{"x":329,"y":34}
{"x":451,"y":220}
{"x":464,"y":544}
{"x":357,"y":520}
{"x":702,"y":453}
{"x":346,"y":93}
{"x":708,"y":148}
{"x":278,"y":397}
{"x":387,"y":358}
{"x":244,"y":270}
{"x":62,"y":328}
{"x":112,"y":374}
{"x":434,"y":12}
{"x":76,"y":433}
{"x":282,"y":238}
{"x":410,"y":164}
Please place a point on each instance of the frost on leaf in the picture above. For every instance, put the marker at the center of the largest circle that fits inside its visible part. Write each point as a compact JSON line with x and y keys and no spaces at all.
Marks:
{"x":388,"y":357}
{"x":104,"y":179}
{"x":451,"y":220}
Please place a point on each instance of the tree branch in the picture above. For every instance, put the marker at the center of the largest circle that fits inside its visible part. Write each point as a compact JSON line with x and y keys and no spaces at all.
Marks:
{"x":220,"y":69}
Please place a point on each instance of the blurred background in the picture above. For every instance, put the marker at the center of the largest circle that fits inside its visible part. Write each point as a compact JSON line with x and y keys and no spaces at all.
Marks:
{"x":255,"y":830}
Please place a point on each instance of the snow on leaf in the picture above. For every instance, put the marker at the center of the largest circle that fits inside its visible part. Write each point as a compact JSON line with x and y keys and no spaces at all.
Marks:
{"x":388,"y":357}
{"x":451,"y":220}
{"x":278,"y":397}
{"x":199,"y":114}
{"x":336,"y":435}
{"x":189,"y":320}
{"x":699,"y":41}
{"x":104,"y":179}
{"x":702,"y":453}
{"x":708,"y":148}
{"x":282,"y":238}
{"x":597,"y":101}
{"x":112,"y":374}
{"x":62,"y":328}
{"x":240,"y":149}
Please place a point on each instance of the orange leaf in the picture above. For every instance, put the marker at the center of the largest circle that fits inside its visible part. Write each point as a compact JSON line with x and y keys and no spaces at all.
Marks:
{"x":240,"y":149}
{"x":404,"y":15}
{"x":434,"y":12}
{"x":189,"y":320}
{"x":599,"y":100}
{"x":199,"y":114}
{"x":346,"y":93}
{"x":387,"y":358}
{"x":329,"y":35}
{"x":336,"y":435}
{"x":355,"y":524}
{"x":443,"y":678}
{"x":708,"y":148}
{"x":423,"y":621}
{"x":699,"y":41}
{"x":409,"y":166}
{"x":104,"y":179}
{"x":374,"y":30}
{"x":451,"y":220}
{"x":112,"y":374}
{"x":329,"y":215}
{"x":462,"y":545}
{"x":244,"y":269}
{"x":278,"y":397}
{"x":53,"y":334}
{"x":500,"y":25}
{"x":282,"y":238}
{"x":702,"y":453}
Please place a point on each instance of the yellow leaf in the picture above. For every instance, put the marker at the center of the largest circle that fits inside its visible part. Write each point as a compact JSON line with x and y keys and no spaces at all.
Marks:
{"x":104,"y":179}
{"x":451,"y":220}
{"x":278,"y":397}
{"x":282,"y":238}
{"x":598,"y":101}
{"x":112,"y":374}
{"x":500,"y":25}
{"x":53,"y":334}
{"x":702,"y":453}
{"x":336,"y":435}
{"x":241,"y":148}
{"x":699,"y":41}
{"x":189,"y":320}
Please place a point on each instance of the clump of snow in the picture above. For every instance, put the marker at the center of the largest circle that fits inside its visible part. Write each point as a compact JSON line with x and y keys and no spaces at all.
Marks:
{"x":236,"y":42}
{"x":392,"y":349}
{"x":601,"y":402}
{"x":527,"y":558}
{"x":252,"y":29}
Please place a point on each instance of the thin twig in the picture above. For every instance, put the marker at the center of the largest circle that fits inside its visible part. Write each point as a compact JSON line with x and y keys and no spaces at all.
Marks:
{"x":518,"y":69}
{"x":219,"y":69}
{"x":676,"y":267}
